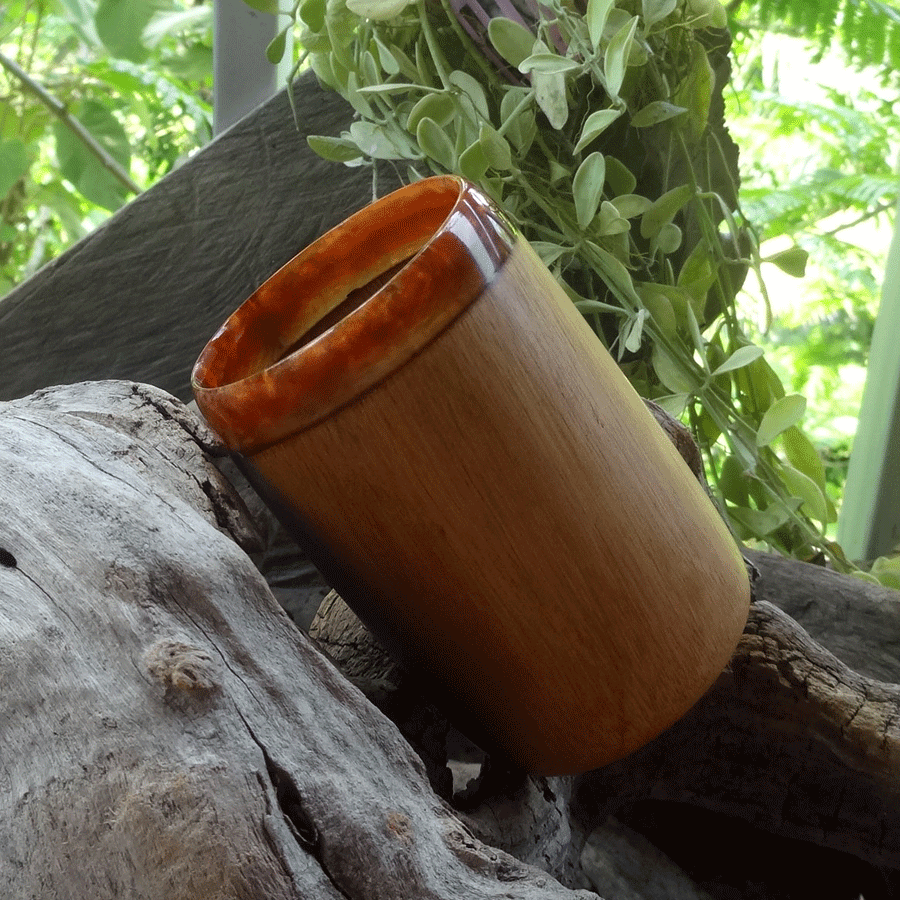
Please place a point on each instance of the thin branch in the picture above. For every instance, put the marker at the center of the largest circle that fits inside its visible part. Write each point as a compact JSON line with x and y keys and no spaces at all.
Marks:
{"x":59,"y":110}
{"x":883,"y":207}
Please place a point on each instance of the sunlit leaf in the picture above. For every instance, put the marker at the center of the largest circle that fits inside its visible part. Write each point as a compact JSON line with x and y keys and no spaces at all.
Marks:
{"x":473,"y":162}
{"x":266,"y":6}
{"x":656,"y":10}
{"x":655,"y":112}
{"x":802,"y":486}
{"x":511,"y":40}
{"x":496,"y":148}
{"x":378,"y":10}
{"x":547,"y":64}
{"x":594,"y":125}
{"x":333,"y":149}
{"x":741,"y":357}
{"x":780,"y":416}
{"x":275,"y":50}
{"x":664,"y":209}
{"x":597,"y":14}
{"x":120,"y":25}
{"x":473,"y":90}
{"x":438,"y":106}
{"x":587,"y":188}
{"x":791,"y":261}
{"x":616,"y":57}
{"x":434,"y":142}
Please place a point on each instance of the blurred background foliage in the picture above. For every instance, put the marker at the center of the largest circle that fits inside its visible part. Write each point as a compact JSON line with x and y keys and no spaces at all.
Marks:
{"x":136,"y":75}
{"x":813,"y":105}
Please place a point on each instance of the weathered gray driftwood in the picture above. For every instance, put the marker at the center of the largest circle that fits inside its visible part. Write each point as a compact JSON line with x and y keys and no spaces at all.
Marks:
{"x":167,"y":731}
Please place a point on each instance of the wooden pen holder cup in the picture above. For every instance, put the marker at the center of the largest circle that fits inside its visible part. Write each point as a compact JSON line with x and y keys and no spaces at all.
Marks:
{"x":467,"y":465}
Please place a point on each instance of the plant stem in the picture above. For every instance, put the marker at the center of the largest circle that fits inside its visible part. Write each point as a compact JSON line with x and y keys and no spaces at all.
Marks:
{"x":433,"y":48}
{"x":59,"y":110}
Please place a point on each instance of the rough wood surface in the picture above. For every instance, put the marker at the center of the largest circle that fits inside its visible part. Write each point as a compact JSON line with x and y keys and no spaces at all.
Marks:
{"x":167,"y":731}
{"x":140,"y":296}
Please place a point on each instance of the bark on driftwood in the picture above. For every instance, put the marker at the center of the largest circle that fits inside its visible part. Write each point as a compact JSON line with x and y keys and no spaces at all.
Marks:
{"x":168,"y":732}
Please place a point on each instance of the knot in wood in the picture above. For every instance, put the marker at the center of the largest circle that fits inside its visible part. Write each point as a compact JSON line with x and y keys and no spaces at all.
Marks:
{"x":181,"y":666}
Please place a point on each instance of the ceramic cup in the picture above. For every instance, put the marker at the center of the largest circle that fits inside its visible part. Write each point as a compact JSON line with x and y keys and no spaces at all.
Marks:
{"x":461,"y":457}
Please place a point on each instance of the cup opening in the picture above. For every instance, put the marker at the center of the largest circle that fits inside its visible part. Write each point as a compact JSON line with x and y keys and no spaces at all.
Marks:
{"x":354,"y":300}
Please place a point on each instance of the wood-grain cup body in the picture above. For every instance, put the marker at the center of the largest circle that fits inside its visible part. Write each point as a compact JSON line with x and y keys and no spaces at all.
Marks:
{"x":505,"y":515}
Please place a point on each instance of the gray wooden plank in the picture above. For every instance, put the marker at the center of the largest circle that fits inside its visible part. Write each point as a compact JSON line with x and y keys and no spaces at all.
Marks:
{"x":138,"y":298}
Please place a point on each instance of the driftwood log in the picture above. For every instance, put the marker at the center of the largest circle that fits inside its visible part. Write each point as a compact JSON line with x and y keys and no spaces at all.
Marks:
{"x":169,"y":732}
{"x":166,"y":731}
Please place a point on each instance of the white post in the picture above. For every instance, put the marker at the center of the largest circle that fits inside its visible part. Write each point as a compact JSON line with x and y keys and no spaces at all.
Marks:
{"x":243,"y":77}
{"x":869,"y":520}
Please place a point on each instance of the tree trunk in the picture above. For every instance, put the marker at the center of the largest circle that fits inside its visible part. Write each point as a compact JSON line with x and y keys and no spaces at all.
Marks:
{"x":170,"y":733}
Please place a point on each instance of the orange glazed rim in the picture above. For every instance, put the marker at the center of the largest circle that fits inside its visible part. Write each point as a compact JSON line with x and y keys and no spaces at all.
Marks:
{"x":263,"y":376}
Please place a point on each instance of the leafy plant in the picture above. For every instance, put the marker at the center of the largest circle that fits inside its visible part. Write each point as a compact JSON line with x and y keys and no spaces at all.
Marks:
{"x":600,"y":131}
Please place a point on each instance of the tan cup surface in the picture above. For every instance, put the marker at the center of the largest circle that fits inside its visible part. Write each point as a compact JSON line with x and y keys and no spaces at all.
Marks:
{"x":500,"y":507}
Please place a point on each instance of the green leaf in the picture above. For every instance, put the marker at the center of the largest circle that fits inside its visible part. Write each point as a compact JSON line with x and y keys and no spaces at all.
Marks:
{"x":758,"y":522}
{"x":803,"y":456}
{"x":77,"y":164}
{"x":120,"y":25}
{"x":664,"y":209}
{"x":511,"y":40}
{"x":741,"y":357}
{"x":695,"y":91}
{"x":266,"y":6}
{"x":594,"y":125}
{"x":377,"y":141}
{"x":630,"y":205}
{"x":14,"y":163}
{"x":655,"y":112}
{"x":792,"y":261}
{"x":780,"y":416}
{"x":802,"y":486}
{"x":311,"y":12}
{"x":615,"y":59}
{"x":550,"y":89}
{"x":621,"y":179}
{"x":386,"y":58}
{"x":597,"y":13}
{"x":635,"y":332}
{"x":275,"y":50}
{"x":473,"y":162}
{"x":378,"y":10}
{"x":439,"y":106}
{"x":549,"y":252}
{"x":333,"y":149}
{"x":609,"y":221}
{"x":434,"y":143}
{"x":732,"y":482}
{"x":473,"y":90}
{"x":496,"y":148}
{"x":670,"y":373}
{"x":587,"y":188}
{"x":614,"y":274}
{"x":668,"y":238}
{"x":656,"y":10}
{"x":521,"y":129}
{"x":547,"y":64}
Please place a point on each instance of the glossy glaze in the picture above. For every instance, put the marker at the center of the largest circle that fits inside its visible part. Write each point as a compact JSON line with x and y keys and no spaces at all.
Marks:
{"x":268,"y":372}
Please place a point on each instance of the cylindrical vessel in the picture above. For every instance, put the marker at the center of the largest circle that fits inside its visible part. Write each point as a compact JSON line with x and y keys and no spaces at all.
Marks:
{"x":468,"y":466}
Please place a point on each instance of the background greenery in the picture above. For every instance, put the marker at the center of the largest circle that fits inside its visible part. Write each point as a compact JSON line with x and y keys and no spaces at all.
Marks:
{"x":812,"y":104}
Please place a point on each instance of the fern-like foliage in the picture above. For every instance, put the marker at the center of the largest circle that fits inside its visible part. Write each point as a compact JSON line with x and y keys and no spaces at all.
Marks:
{"x":868,"y":30}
